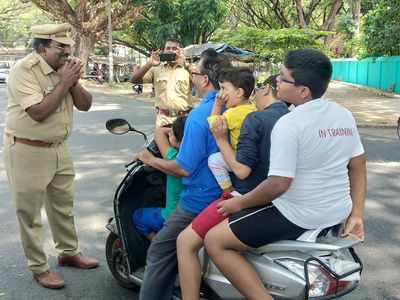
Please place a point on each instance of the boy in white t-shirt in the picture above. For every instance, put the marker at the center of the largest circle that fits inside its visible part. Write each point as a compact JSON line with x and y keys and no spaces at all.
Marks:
{"x":317,"y":176}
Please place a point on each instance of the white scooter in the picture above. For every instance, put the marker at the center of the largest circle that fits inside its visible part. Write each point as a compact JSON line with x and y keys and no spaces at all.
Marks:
{"x":318,"y":265}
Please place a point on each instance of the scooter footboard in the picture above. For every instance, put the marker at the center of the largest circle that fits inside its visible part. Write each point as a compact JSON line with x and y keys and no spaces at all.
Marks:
{"x":142,"y":187}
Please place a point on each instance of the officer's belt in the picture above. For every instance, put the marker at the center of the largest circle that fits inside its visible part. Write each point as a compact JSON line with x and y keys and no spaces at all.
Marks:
{"x":35,"y":143}
{"x":171,"y":113}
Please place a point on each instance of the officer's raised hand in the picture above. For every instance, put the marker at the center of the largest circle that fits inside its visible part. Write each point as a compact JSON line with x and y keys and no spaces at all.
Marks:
{"x":78,"y":62}
{"x":70,"y":73}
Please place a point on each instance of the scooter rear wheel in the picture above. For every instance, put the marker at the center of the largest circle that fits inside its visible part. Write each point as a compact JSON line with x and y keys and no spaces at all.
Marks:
{"x":117,"y":261}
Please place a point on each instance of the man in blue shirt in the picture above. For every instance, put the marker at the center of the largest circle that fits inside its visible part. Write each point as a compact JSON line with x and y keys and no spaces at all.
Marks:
{"x":199,"y":185}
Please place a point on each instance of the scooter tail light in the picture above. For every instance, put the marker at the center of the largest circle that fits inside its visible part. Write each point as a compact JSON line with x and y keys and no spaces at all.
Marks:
{"x":337,"y":286}
{"x":321,"y":282}
{"x":334,"y":286}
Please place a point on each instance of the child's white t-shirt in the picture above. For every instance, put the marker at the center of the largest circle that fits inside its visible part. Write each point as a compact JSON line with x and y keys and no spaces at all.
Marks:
{"x":313,"y":144}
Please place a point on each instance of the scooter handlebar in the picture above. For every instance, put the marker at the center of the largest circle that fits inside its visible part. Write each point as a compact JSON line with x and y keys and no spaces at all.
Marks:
{"x":131,"y":163}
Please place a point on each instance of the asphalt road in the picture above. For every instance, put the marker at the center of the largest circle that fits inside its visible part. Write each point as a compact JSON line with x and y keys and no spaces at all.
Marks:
{"x":99,"y":158}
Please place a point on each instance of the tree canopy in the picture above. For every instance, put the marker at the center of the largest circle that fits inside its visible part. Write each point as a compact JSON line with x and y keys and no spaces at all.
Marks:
{"x":268,"y":27}
{"x":275,"y":14}
{"x":191,"y":21}
{"x":89,"y":18}
{"x":16,"y":19}
{"x":272,"y":44}
{"x":381,"y":29}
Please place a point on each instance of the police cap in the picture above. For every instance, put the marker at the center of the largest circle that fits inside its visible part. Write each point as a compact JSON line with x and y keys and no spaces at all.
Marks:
{"x":57,"y":32}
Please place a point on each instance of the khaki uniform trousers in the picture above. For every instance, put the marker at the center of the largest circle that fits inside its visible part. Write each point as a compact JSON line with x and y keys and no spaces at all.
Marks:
{"x":42,"y":176}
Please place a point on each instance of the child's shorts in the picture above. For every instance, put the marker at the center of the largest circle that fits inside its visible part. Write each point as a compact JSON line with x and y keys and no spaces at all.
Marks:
{"x":148,"y":220}
{"x":209,"y":217}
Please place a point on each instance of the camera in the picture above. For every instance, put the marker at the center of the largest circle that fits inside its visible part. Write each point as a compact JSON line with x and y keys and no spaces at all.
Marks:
{"x":167,"y":56}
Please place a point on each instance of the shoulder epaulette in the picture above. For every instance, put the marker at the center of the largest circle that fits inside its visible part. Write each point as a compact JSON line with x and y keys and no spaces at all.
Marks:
{"x":29,"y":61}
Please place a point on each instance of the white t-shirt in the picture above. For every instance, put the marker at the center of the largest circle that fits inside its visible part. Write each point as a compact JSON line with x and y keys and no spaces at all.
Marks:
{"x":313,"y":144}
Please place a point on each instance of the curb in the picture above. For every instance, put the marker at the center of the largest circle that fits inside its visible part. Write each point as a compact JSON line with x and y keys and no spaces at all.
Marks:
{"x":381,"y":126}
{"x":369,"y":89}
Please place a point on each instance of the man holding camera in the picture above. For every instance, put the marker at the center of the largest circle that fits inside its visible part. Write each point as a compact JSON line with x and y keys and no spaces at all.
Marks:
{"x":171,"y":80}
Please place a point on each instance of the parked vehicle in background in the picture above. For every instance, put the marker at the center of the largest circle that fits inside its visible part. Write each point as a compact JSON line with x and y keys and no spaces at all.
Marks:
{"x":4,"y":71}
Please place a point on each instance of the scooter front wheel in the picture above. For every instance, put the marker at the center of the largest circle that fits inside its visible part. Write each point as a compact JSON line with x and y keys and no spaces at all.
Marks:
{"x":117,"y":261}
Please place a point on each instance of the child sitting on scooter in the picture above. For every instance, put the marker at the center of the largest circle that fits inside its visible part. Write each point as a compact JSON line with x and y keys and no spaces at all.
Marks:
{"x":149,"y":220}
{"x":236,"y":86}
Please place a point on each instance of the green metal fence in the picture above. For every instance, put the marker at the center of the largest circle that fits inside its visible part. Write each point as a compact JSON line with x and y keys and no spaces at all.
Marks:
{"x":376,"y":72}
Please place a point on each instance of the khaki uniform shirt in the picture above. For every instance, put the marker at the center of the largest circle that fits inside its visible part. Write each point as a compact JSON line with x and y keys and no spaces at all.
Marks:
{"x":172,"y":87}
{"x":30,"y":80}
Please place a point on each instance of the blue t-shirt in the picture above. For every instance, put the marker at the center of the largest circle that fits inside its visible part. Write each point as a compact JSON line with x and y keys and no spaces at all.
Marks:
{"x":254,"y":145}
{"x":199,"y":188}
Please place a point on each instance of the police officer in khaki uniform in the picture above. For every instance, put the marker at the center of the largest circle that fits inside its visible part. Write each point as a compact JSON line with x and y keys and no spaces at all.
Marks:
{"x":171,"y":81}
{"x":43,"y":88}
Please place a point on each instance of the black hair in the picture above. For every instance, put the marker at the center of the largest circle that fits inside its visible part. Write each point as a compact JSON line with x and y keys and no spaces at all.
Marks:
{"x":271,"y":81}
{"x":211,"y":64}
{"x":240,"y":78}
{"x":310,"y":68}
{"x":174,"y":40}
{"x":178,"y":127}
{"x":37,"y":43}
{"x":210,"y":52}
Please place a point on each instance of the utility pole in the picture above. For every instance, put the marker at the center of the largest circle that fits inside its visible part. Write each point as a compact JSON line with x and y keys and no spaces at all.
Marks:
{"x":110,"y":48}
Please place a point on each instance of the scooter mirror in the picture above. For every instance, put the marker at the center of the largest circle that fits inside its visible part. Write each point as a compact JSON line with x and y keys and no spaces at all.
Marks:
{"x":118,"y":126}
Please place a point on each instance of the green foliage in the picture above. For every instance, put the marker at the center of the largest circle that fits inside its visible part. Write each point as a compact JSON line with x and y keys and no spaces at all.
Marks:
{"x":191,"y":21}
{"x":367,"y":5}
{"x":381,"y":29}
{"x":16,"y":19}
{"x":272,"y":45}
{"x":353,"y":47}
{"x":345,"y":25}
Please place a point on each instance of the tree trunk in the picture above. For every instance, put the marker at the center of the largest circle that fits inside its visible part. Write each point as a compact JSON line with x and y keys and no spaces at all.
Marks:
{"x":300,"y":13}
{"x":355,"y":6}
{"x":77,"y":45}
{"x":86,"y":47}
{"x":330,"y":20}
